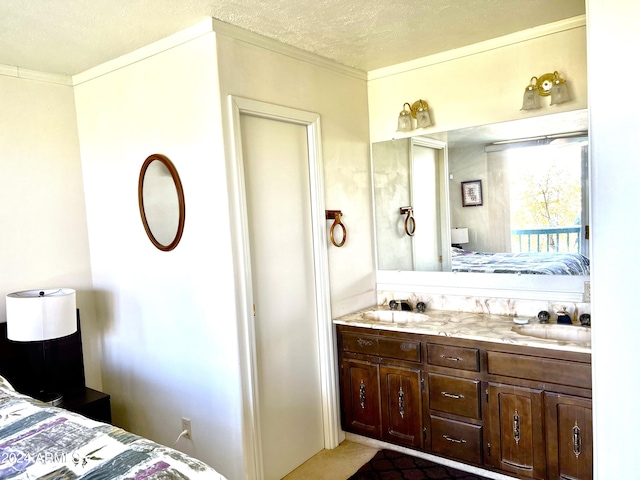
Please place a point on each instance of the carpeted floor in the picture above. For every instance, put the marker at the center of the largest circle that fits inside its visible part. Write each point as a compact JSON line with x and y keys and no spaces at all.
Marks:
{"x":390,"y":465}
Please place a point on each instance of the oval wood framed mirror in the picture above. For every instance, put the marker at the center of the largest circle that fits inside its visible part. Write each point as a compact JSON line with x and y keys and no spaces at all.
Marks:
{"x":161,"y":202}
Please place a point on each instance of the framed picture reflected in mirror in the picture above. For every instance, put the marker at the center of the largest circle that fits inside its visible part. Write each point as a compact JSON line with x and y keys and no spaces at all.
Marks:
{"x":472,"y":193}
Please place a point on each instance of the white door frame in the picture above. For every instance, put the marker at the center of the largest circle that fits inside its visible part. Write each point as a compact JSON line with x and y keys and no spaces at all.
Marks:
{"x":244,"y":292}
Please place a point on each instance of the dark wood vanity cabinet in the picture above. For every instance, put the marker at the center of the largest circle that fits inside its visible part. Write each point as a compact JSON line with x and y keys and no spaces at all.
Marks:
{"x":360,"y":394}
{"x":516,"y":440}
{"x":569,"y":437}
{"x":455,"y":412}
{"x":521,"y":411}
{"x":401,"y":401}
{"x":381,"y":385}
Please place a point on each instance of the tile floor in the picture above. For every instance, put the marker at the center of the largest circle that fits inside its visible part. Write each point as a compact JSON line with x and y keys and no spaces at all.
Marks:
{"x":337,"y":464}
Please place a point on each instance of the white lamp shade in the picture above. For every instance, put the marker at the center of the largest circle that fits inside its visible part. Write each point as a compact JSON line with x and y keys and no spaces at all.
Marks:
{"x":459,"y":235}
{"x":36,"y":315}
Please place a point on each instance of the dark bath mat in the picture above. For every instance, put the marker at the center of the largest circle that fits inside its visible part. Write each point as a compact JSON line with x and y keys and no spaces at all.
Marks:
{"x":390,"y":465}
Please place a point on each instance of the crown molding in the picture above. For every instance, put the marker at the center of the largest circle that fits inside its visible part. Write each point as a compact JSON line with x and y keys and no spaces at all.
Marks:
{"x":26,"y":74}
{"x":199,"y":29}
{"x":228,"y":30}
{"x":480,"y":47}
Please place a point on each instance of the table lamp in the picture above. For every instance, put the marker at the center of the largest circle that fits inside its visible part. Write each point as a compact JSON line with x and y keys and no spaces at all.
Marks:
{"x":39,"y":316}
{"x":459,"y":236}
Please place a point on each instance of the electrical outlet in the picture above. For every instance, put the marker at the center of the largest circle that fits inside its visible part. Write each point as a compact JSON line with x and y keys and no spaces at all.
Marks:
{"x":186,"y":426}
{"x":586,"y":296}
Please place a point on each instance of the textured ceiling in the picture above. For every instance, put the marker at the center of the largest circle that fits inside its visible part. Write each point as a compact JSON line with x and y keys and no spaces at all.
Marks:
{"x":71,"y":36}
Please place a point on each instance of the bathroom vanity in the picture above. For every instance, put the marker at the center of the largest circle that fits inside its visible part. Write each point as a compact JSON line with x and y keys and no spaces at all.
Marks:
{"x":467,"y":387}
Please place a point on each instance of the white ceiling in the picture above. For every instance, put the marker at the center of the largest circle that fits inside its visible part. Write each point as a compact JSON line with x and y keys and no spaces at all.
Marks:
{"x":71,"y":36}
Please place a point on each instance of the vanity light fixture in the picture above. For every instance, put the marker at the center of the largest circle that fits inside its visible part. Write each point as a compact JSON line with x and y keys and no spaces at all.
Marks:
{"x":543,"y":86}
{"x":418,"y":110}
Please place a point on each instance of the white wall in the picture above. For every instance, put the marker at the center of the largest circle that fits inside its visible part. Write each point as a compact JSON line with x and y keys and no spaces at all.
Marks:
{"x":168,"y":320}
{"x":250,"y":69}
{"x":392,"y":170}
{"x":43,"y":227}
{"x":169,"y":325}
{"x":461,"y":162}
{"x":614,"y":128}
{"x":483,"y":83}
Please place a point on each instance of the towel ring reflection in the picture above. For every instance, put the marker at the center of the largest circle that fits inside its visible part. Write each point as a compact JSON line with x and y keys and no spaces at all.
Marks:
{"x":409,"y":222}
{"x":335,"y":216}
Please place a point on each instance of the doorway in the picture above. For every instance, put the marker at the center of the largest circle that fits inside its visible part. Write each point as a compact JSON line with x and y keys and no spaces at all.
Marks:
{"x":289,"y":397}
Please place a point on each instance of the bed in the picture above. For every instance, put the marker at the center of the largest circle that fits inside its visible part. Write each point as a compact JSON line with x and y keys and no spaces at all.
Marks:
{"x":40,"y":442}
{"x":523,"y":263}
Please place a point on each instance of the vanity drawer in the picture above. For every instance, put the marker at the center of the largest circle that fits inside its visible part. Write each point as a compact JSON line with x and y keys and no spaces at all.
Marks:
{"x":456,"y":439}
{"x":459,"y":396}
{"x":400,"y":349}
{"x":455,"y":357}
{"x":540,"y":369}
{"x":360,"y":343}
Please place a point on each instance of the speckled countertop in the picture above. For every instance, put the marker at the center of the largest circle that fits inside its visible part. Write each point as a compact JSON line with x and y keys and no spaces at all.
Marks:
{"x":471,"y":326}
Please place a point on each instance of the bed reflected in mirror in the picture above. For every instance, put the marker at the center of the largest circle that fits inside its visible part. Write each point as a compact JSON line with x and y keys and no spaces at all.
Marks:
{"x":529,"y":212}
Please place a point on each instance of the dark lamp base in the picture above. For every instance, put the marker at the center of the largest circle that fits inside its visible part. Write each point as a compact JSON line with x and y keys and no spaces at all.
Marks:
{"x":52,"y":398}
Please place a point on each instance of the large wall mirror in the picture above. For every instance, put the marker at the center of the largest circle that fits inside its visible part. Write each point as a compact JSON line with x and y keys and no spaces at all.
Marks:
{"x":504,"y":206}
{"x":161,"y":202}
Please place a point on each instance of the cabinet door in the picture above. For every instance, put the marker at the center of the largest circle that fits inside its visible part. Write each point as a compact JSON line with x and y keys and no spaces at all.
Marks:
{"x":401,"y":395}
{"x":360,"y":398}
{"x":516,"y":430}
{"x":569,"y":437}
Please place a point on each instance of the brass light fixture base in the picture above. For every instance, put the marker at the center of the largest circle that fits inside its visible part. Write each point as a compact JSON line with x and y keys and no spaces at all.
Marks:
{"x":544,"y":82}
{"x":416,"y":106}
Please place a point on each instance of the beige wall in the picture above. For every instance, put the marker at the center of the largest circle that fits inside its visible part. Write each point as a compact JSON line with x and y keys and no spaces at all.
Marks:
{"x":256,"y":72}
{"x":43,"y":220}
{"x":168,"y":319}
{"x":475,"y":87}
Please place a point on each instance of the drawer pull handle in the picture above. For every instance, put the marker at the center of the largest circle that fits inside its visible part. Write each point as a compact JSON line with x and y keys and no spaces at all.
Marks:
{"x":454,"y":440}
{"x":577,"y":440}
{"x":516,"y":427}
{"x":362,"y":342}
{"x":363,"y":395}
{"x":452,"y":395}
{"x":453,"y":359}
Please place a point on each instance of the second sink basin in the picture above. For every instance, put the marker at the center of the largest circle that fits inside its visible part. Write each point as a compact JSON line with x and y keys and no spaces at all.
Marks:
{"x":550,"y":331}
{"x":395,"y":316}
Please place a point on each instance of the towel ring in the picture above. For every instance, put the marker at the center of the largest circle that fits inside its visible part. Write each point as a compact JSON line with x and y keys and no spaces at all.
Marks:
{"x":335,"y":216}
{"x":409,"y":222}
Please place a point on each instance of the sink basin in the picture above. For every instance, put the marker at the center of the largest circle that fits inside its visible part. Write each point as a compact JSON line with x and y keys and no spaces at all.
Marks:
{"x":564,"y":333}
{"x":395,"y":316}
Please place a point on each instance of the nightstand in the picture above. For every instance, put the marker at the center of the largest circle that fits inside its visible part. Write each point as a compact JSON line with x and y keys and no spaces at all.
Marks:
{"x":88,"y":402}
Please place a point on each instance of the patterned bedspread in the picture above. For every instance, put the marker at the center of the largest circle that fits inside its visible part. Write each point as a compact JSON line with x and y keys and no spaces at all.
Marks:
{"x":525,"y":263}
{"x":38,"y":442}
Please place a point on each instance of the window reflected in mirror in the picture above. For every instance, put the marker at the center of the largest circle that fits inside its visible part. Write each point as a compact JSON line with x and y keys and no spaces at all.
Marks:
{"x":536,"y":200}
{"x":533,"y":218}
